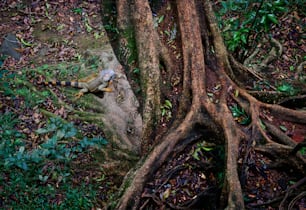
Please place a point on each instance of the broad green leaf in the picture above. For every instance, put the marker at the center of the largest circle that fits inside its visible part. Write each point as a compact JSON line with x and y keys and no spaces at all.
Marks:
{"x":244,"y":39}
{"x":263,"y":19}
{"x":21,"y":149}
{"x":42,"y":131}
{"x":272,"y":18}
{"x":284,"y":88}
{"x":60,"y":134}
{"x":197,"y":152}
{"x":43,"y":178}
{"x":23,"y":165}
{"x":168,"y":104}
{"x":245,"y":121}
{"x":163,"y":112}
{"x":77,"y":10}
{"x":303,"y":150}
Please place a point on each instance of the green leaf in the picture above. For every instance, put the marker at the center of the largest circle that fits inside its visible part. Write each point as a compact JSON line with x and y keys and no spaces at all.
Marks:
{"x":43,"y":178}
{"x":77,"y":10}
{"x":283,"y":128}
{"x":236,"y":93}
{"x":160,"y":19}
{"x":281,"y":9}
{"x":245,"y":121}
{"x":168,"y":104}
{"x":195,"y":155}
{"x":303,"y":150}
{"x":163,"y":112}
{"x":96,"y":141}
{"x":70,"y":132}
{"x":272,"y":18}
{"x":136,"y":70}
{"x":88,"y":27}
{"x":244,"y":39}
{"x":207,"y":149}
{"x":166,"y":194}
{"x":27,"y":44}
{"x":262,"y":125}
{"x":100,"y":140}
{"x":263,"y":19}
{"x":23,"y":165}
{"x":50,"y":144}
{"x":236,"y":112}
{"x":285,"y":88}
{"x":60,"y":134}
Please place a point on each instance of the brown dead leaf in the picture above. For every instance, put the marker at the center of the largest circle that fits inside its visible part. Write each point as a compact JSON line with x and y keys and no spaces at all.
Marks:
{"x":61,"y":112}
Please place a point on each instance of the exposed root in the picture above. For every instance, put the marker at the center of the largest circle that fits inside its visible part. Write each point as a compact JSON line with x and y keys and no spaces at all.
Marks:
{"x":244,"y":70}
{"x":165,"y":57}
{"x":286,"y":114}
{"x":281,"y":156}
{"x":295,"y":199}
{"x":281,"y":136}
{"x":294,"y":101}
{"x":299,"y":71}
{"x":199,"y":64}
{"x":131,"y":197}
{"x":290,"y":190}
{"x":274,"y":53}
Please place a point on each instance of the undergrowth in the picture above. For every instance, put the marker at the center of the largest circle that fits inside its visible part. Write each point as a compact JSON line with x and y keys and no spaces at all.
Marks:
{"x":40,"y":178}
{"x":38,"y":159}
{"x":244,"y":23}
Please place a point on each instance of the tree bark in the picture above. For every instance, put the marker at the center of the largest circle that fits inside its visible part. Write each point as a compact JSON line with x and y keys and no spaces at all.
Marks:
{"x":206,"y":63}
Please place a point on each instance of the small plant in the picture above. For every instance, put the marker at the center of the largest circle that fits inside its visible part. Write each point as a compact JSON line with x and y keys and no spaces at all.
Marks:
{"x":239,"y":37}
{"x":158,"y":20}
{"x":5,"y":82}
{"x":27,"y":174}
{"x":166,"y":109}
{"x":291,"y":68}
{"x":11,"y":144}
{"x":239,"y":115}
{"x":57,"y":147}
{"x":202,"y":147}
{"x":246,"y":19}
{"x":286,"y":88}
{"x":77,"y":10}
{"x":171,"y":34}
{"x":303,"y":150}
{"x":136,"y":71}
{"x":111,"y":28}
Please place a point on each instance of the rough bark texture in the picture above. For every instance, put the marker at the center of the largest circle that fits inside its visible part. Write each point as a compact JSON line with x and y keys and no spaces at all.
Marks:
{"x":148,"y":62}
{"x":205,"y":59}
{"x":147,"y":59}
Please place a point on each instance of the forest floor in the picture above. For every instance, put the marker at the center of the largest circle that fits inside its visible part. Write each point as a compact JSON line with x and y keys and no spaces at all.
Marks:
{"x":56,"y":32}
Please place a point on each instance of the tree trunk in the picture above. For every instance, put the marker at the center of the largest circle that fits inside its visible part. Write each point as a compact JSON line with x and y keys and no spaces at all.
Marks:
{"x":205,"y":65}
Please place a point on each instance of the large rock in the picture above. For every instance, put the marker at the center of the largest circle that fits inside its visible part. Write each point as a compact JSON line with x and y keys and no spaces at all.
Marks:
{"x":9,"y":46}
